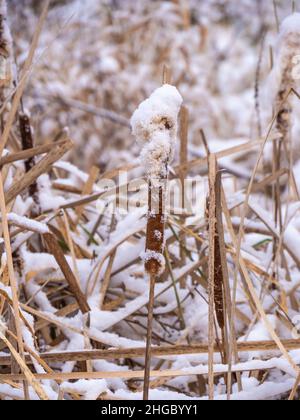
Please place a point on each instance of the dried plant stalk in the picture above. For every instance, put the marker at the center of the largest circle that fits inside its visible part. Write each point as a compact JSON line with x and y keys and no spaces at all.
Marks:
{"x":40,"y":168}
{"x":27,"y":144}
{"x":56,"y":251}
{"x":12,"y":279}
{"x":212,"y":271}
{"x":24,"y":77}
{"x":184,"y":125}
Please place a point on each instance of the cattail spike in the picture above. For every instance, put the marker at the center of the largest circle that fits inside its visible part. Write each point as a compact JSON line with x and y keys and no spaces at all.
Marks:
{"x":155,"y":126}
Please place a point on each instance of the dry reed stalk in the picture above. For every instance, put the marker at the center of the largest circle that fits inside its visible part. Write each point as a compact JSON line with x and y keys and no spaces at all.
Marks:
{"x":229,"y":338}
{"x":70,"y":243}
{"x":184,"y":121}
{"x":257,"y":86}
{"x":275,"y":10}
{"x":158,"y":352}
{"x":242,"y":265}
{"x":56,"y":251}
{"x":12,"y":279}
{"x":28,"y":376}
{"x":211,"y":268}
{"x":98,"y":112}
{"x":27,"y":144}
{"x":185,"y":12}
{"x":24,"y":77}
{"x":88,"y":189}
{"x":106,"y":279}
{"x":167,"y":75}
{"x":28,"y":154}
{"x":15,"y":368}
{"x":127,"y":375}
{"x":246,"y":147}
{"x":40,"y":168}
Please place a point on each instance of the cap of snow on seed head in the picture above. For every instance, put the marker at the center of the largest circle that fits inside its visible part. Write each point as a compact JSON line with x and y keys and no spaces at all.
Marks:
{"x":154,"y":125}
{"x":290,"y":25}
{"x":152,"y":256}
{"x":289,"y":37}
{"x":157,"y":114}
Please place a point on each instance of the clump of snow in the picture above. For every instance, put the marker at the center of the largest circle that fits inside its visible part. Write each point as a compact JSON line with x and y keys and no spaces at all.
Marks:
{"x":109,"y":65}
{"x":29,"y":224}
{"x":155,"y":113}
{"x":290,"y":25}
{"x":158,"y":235}
{"x":92,"y":389}
{"x":154,"y":125}
{"x":152,"y":255}
{"x":289,"y":39}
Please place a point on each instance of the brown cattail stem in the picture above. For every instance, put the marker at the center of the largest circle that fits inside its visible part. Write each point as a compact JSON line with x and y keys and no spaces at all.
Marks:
{"x":149,"y":338}
{"x":155,"y":244}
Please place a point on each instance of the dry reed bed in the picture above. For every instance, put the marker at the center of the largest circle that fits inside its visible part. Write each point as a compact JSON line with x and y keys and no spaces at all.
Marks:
{"x":74,"y":291}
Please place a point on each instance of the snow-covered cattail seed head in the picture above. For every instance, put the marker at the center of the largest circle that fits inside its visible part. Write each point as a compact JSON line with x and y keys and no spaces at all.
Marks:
{"x":289,"y":39}
{"x":154,"y":125}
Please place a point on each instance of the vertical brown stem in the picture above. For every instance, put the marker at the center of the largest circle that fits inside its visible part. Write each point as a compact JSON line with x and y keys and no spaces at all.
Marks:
{"x":149,"y":338}
{"x":184,"y":117}
{"x":12,"y":279}
{"x":211,"y":277}
{"x":28,"y":143}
